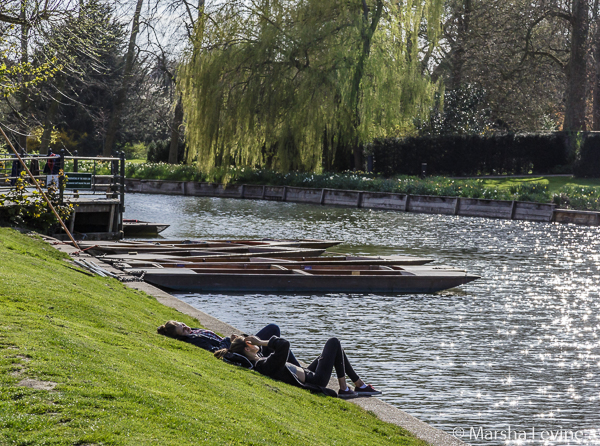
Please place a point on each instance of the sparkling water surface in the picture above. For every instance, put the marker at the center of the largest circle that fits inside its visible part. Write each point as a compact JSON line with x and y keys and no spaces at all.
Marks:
{"x":511,"y":358}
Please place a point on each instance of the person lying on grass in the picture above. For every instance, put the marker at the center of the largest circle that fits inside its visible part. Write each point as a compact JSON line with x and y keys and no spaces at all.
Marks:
{"x":212,"y":342}
{"x":314,"y":377}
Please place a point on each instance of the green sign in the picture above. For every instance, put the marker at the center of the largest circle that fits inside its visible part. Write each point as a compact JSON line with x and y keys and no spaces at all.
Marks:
{"x":78,"y":181}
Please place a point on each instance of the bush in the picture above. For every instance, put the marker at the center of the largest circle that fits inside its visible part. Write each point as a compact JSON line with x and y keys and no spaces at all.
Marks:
{"x":578,"y":197}
{"x":471,"y":154}
{"x":158,"y":151}
{"x":20,"y":207}
{"x":587,"y":163}
{"x":135,"y":151}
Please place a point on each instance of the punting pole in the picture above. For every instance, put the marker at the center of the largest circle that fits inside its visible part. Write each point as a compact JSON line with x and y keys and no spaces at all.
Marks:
{"x":39,"y":188}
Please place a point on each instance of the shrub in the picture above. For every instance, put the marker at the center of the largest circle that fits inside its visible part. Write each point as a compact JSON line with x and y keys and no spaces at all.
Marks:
{"x":135,"y":151}
{"x":578,"y":197}
{"x":29,"y":209}
{"x":587,"y":163}
{"x":158,"y":151}
{"x":470,"y":154}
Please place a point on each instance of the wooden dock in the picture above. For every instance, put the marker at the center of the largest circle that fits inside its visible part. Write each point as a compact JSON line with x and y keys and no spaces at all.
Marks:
{"x":98,"y":200}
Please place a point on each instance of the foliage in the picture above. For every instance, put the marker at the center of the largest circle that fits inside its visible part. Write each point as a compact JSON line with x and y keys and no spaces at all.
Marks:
{"x":471,"y":154}
{"x":578,"y":197}
{"x":16,"y":76}
{"x":464,"y":111}
{"x":517,"y":51}
{"x":158,"y":151}
{"x":587,"y":163}
{"x":164,"y":171}
{"x":531,"y":192}
{"x":120,"y":383}
{"x":136,"y":150}
{"x":23,"y":207}
{"x":300,"y":85}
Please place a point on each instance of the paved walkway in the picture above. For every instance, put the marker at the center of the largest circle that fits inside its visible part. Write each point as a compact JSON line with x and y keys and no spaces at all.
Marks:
{"x":384,"y":411}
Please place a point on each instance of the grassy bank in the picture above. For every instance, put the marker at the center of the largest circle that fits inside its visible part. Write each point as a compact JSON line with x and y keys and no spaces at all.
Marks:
{"x":114,"y":381}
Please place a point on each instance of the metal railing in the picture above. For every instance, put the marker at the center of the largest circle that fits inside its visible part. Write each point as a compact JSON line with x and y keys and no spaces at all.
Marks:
{"x":80,"y":179}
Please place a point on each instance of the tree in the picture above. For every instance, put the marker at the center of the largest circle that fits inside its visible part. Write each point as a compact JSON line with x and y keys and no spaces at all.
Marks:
{"x":294,"y":85}
{"x":532,"y":58}
{"x":121,"y":96}
{"x":27,"y":20}
{"x":80,"y":96}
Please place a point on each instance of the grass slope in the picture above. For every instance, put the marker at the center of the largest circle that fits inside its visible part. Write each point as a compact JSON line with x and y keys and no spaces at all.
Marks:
{"x":553,"y":183}
{"x":118,"y":382}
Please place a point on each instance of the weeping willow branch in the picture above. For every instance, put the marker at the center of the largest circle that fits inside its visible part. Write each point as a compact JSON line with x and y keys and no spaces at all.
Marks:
{"x":296,"y":85}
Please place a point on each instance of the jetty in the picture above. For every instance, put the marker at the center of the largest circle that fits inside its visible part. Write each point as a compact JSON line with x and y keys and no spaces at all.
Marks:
{"x":98,"y":199}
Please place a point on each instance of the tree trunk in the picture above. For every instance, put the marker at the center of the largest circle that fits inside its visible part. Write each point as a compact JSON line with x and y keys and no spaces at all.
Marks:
{"x":119,"y":102}
{"x":50,"y":118}
{"x":367,"y":33}
{"x":596,"y":80}
{"x":175,"y":130}
{"x":463,"y":18}
{"x":576,"y":69}
{"x":24,"y":93}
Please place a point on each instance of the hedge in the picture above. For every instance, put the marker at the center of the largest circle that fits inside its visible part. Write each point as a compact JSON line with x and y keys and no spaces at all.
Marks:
{"x":466,"y":155}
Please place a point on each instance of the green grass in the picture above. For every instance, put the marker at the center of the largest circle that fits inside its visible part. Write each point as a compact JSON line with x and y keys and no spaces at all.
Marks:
{"x":554,"y":183}
{"x":120,"y":383}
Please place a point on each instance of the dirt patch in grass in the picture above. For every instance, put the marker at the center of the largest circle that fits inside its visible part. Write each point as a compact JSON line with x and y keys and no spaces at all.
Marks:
{"x":36,"y":384}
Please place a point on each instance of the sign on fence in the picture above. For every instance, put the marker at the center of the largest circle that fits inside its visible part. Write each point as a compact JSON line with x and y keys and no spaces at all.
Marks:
{"x":52,"y":180}
{"x":77,"y":180}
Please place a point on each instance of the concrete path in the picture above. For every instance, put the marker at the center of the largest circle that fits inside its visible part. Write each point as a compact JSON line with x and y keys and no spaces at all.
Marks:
{"x":384,"y":411}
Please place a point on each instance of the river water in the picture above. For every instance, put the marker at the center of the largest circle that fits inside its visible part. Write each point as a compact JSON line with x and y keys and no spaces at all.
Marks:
{"x":513,"y":356}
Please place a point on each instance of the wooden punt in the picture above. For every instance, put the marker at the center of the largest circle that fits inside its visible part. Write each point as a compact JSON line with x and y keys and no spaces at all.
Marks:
{"x":240,"y":250}
{"x":292,"y":243}
{"x":133,"y":228}
{"x":167,"y":261}
{"x":278,"y":278}
{"x":227,"y":245}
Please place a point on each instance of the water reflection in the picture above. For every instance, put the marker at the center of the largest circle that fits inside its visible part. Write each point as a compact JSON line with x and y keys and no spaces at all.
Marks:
{"x":517,"y":348}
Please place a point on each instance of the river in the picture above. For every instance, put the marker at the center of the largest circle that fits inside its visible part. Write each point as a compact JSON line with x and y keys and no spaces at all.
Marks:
{"x":513,"y":356}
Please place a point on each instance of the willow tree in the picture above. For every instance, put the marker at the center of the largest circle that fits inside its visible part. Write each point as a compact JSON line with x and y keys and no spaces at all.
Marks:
{"x":297,"y":84}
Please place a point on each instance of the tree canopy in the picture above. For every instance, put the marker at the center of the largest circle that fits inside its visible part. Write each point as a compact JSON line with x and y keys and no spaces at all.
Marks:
{"x":302,"y":85}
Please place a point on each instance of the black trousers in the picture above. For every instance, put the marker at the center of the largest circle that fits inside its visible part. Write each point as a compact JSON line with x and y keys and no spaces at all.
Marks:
{"x":333,"y":356}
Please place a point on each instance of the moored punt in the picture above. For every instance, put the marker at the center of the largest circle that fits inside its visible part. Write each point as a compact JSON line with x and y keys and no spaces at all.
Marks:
{"x":167,"y":261}
{"x":253,"y":251}
{"x":229,"y":245}
{"x":132,"y":228}
{"x":292,"y":243}
{"x":306,"y":278}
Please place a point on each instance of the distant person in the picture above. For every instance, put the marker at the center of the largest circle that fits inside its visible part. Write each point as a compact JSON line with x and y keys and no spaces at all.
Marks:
{"x":211,"y":341}
{"x":314,"y":377}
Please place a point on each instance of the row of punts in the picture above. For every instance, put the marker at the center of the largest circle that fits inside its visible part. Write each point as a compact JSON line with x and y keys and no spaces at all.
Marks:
{"x":273,"y":266}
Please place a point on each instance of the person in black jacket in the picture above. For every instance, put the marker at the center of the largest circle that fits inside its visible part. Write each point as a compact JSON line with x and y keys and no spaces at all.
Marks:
{"x":212,"y":342}
{"x":314,"y":377}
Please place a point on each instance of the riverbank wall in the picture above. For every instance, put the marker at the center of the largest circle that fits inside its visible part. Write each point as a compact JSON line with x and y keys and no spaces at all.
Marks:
{"x":467,"y":207}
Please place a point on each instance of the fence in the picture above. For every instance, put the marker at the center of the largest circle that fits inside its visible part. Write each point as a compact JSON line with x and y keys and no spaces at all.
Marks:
{"x":99,"y":197}
{"x":76,"y":183}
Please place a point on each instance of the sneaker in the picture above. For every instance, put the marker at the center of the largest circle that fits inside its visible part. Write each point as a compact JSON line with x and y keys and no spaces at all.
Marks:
{"x":347,"y":394}
{"x":366,"y":391}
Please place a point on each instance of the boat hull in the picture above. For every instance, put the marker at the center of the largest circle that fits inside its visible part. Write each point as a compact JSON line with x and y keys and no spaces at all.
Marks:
{"x":141,"y":228}
{"x":295,"y":283}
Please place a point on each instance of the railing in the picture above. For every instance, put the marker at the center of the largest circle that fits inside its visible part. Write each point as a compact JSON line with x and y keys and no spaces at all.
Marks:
{"x":80,"y":177}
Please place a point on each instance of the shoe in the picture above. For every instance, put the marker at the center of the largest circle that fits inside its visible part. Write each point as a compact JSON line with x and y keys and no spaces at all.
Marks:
{"x":347,"y":394}
{"x":366,"y":391}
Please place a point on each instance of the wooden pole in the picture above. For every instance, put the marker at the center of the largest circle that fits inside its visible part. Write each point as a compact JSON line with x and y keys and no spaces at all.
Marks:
{"x":39,"y":188}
